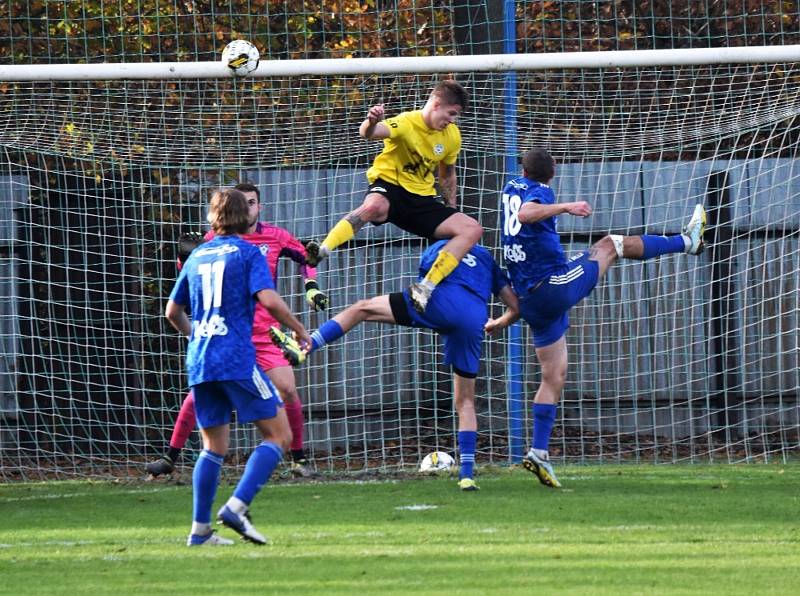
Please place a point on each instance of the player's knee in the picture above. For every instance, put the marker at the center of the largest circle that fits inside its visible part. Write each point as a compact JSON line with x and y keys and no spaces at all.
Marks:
{"x":464,"y":405}
{"x":216,"y":444}
{"x":555,"y":376}
{"x":289,"y":395}
{"x":610,"y":246}
{"x":473,"y":231}
{"x":367,"y":308}
{"x":362,"y":307}
{"x":281,"y":437}
{"x":374,"y":208}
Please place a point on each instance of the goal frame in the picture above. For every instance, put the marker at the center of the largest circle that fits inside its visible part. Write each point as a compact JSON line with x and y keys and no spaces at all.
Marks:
{"x":400,"y":65}
{"x":507,"y":64}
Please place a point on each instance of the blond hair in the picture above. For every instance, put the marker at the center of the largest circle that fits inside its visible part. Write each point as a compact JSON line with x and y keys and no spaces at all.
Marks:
{"x":229,"y":213}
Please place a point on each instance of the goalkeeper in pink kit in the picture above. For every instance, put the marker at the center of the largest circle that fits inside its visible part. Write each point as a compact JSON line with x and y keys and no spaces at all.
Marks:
{"x":273,"y":242}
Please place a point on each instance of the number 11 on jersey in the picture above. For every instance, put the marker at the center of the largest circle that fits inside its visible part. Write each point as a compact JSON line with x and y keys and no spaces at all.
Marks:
{"x":211,"y":274}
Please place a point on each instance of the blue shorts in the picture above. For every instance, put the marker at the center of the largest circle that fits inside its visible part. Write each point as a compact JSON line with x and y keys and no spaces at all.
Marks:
{"x":253,"y":399}
{"x":458,"y":315}
{"x":546,"y":307}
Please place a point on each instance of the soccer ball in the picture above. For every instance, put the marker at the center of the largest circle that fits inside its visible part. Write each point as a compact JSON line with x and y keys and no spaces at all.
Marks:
{"x":241,"y":57}
{"x":438,"y":461}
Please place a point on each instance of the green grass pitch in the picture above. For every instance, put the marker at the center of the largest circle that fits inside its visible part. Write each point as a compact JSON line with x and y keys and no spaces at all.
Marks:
{"x":613,"y":529}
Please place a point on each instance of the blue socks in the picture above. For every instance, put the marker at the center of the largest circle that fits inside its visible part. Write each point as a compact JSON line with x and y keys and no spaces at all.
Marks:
{"x":466,"y":452}
{"x":205,"y":478}
{"x":329,"y":331}
{"x":655,"y":246}
{"x":544,"y":416}
{"x":259,"y":468}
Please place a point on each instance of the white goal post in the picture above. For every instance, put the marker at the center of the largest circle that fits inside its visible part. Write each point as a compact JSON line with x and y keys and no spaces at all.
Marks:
{"x":419,"y":64}
{"x":102,"y":166}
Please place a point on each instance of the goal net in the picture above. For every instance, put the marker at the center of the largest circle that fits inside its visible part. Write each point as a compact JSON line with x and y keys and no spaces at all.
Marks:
{"x":674,"y":359}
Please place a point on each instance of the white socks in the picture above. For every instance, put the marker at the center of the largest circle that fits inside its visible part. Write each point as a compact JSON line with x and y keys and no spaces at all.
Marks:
{"x":236,"y":505}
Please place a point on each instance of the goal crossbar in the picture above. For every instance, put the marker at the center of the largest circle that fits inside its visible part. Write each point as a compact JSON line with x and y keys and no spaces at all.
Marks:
{"x":424,"y":64}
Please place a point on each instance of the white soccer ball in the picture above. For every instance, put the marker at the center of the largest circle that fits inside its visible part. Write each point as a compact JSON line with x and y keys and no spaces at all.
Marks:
{"x":438,"y":461}
{"x":241,"y":57}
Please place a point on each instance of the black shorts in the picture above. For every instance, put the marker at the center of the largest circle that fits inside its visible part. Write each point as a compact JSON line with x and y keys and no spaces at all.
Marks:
{"x":400,"y":310}
{"x":417,"y":214}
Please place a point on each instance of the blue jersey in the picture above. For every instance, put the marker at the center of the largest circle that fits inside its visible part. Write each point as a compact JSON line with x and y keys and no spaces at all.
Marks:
{"x":477,"y":272}
{"x":458,"y":308}
{"x":532,"y":252}
{"x":218,"y":283}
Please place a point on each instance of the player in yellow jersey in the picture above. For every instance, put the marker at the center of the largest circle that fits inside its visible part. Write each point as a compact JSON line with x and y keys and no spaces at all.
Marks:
{"x":418,"y":146}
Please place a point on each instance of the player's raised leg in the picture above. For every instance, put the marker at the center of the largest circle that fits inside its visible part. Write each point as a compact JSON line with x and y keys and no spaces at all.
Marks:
{"x":375,"y":208}
{"x":695,"y":229}
{"x":375,"y":309}
{"x":463,"y":232}
{"x":614,"y":246}
{"x":184,"y":425}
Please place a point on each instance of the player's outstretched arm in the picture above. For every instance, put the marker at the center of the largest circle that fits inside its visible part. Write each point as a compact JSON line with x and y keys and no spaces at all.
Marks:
{"x":532,"y":212}
{"x":373,"y":127}
{"x":510,"y":316}
{"x":270,"y":300}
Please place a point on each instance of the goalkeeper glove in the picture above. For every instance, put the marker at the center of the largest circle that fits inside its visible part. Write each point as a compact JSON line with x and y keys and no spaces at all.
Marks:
{"x":186,"y":244}
{"x":315,"y":297}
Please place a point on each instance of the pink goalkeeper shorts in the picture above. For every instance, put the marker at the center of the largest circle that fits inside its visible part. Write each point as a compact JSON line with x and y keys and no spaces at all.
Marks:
{"x":269,"y":356}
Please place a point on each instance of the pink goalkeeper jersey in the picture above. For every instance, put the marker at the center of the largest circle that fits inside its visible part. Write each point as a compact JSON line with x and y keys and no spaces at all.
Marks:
{"x":274,"y":243}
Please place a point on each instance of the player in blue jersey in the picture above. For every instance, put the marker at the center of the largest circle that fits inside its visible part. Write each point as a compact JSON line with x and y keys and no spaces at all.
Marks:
{"x":548,"y":284}
{"x":458,"y":310}
{"x":220,"y":283}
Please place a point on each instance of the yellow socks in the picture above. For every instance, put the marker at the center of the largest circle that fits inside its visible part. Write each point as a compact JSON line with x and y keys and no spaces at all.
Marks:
{"x":339,"y":234}
{"x":441,"y":268}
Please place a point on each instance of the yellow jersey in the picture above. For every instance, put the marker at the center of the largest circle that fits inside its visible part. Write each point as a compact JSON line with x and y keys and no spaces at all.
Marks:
{"x":413,"y":151}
